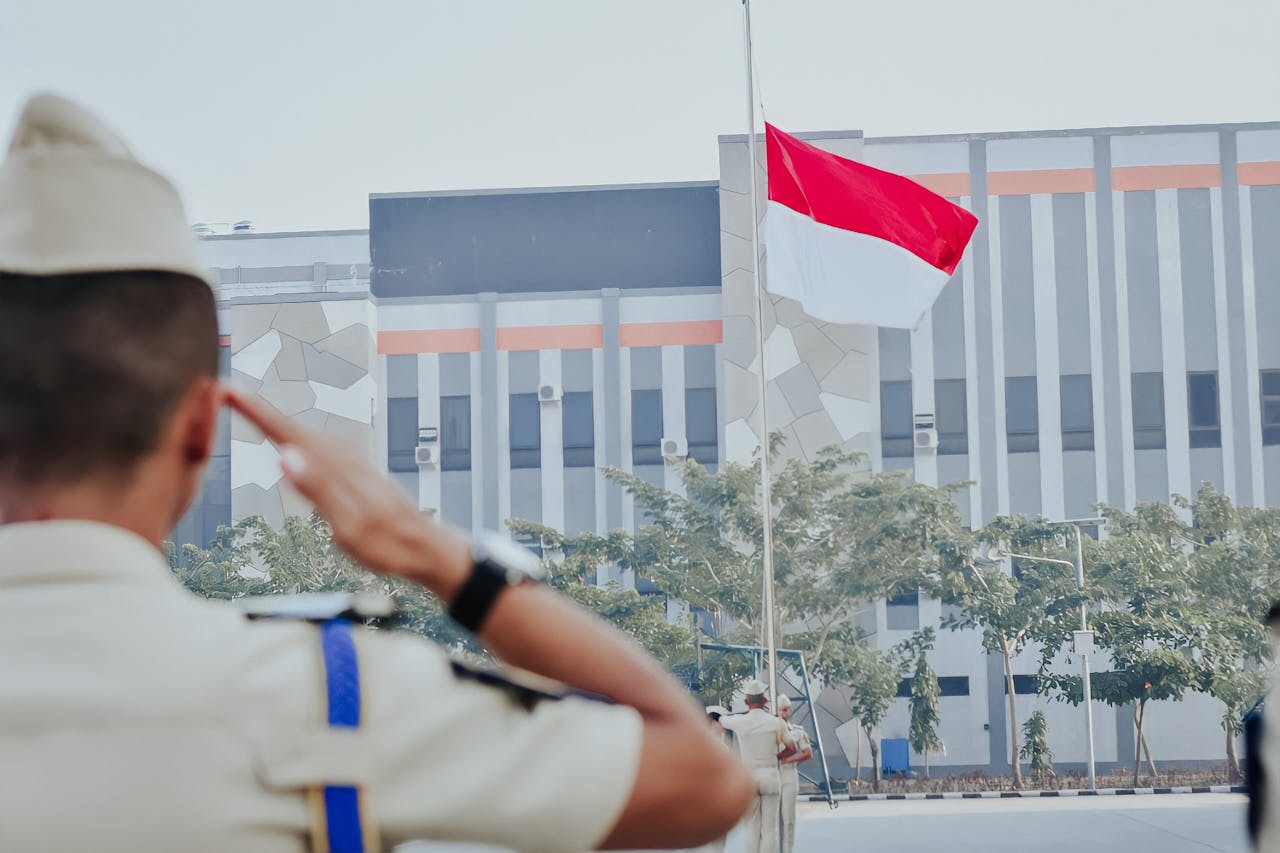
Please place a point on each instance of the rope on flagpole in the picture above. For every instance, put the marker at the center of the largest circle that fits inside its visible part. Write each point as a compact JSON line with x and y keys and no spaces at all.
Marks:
{"x":766,"y":496}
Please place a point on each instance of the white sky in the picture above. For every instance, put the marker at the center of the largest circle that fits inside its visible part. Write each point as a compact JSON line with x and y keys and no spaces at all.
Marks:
{"x":291,"y":113}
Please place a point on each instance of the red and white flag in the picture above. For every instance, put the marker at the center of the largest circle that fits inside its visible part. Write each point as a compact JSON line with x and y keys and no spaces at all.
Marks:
{"x":853,"y":244}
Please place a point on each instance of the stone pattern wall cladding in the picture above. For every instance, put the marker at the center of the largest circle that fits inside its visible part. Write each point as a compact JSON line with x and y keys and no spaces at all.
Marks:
{"x":821,"y":375}
{"x":313,"y":361}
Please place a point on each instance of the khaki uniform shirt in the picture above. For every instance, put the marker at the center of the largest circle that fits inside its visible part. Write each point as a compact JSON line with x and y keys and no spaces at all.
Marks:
{"x":800,"y":738}
{"x":135,"y":716}
{"x":757,"y":732}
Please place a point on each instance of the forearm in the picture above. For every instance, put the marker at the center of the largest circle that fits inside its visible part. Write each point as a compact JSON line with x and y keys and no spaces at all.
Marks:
{"x":537,"y":630}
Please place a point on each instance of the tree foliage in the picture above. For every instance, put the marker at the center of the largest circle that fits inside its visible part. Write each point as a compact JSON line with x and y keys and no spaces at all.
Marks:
{"x":1035,"y":744}
{"x":923,"y":731}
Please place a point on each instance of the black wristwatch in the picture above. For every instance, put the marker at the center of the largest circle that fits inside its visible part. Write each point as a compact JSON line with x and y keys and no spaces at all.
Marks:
{"x":497,"y":563}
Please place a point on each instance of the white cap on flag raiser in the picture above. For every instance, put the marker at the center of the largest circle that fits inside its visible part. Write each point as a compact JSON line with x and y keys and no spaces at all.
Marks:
{"x":783,"y":702}
{"x":73,"y":199}
{"x":754,"y":687}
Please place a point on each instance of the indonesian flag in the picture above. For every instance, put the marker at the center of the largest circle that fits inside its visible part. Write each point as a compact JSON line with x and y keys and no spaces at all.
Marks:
{"x":853,"y":244}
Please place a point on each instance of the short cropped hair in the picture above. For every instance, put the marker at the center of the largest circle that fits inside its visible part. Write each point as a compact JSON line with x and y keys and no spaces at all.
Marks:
{"x":93,"y":365}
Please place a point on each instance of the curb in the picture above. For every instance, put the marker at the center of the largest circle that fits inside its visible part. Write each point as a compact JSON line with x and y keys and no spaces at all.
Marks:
{"x":1019,"y":795}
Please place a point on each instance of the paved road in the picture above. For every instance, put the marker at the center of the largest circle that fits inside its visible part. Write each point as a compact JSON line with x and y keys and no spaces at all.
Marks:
{"x":1160,"y":823}
{"x":1173,"y":823}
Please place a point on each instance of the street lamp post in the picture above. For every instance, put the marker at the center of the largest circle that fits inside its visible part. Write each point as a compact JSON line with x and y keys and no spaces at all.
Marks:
{"x":1082,"y":639}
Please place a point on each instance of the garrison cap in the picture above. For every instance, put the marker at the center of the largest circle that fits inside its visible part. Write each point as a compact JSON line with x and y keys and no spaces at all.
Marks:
{"x":73,"y":199}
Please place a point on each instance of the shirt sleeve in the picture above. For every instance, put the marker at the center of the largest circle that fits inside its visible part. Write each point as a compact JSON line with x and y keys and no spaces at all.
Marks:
{"x":460,"y":759}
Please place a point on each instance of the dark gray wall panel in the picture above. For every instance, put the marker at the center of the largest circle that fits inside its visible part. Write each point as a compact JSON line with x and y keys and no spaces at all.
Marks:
{"x":1151,"y":475}
{"x":1024,"y":483}
{"x":1142,"y":265}
{"x":1071,"y":278}
{"x":948,"y":331}
{"x":1199,"y":316}
{"x":1017,"y":285}
{"x":1080,"y":490}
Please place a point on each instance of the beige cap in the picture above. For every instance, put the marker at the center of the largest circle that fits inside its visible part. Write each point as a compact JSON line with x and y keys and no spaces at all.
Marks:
{"x":73,"y":199}
{"x":755,"y":687}
{"x":783,"y":702}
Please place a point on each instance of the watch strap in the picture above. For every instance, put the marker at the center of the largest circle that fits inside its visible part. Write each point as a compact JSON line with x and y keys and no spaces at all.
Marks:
{"x":474,"y":601}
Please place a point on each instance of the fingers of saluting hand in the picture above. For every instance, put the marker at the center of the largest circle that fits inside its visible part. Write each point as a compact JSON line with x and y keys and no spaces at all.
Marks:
{"x":302,"y":455}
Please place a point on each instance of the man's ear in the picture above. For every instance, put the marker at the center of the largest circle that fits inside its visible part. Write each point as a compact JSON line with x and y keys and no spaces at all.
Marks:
{"x":199,"y":418}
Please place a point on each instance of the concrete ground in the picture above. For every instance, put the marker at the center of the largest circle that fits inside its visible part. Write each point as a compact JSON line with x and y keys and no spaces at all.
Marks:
{"x":1159,"y":823}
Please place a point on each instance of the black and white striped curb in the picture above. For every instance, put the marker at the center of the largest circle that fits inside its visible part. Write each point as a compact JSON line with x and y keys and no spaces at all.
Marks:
{"x":1019,"y":795}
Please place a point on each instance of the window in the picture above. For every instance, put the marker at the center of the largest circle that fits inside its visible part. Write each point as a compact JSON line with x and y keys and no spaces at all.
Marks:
{"x":402,"y":433}
{"x":1202,"y":409}
{"x":896,"y":425}
{"x":904,"y":598}
{"x":579,"y":429}
{"x":1022,"y":421}
{"x":948,"y":685}
{"x":646,"y":427}
{"x":1148,"y":410}
{"x":1270,"y":406}
{"x":952,"y":415}
{"x":525,"y":418}
{"x":455,"y":433}
{"x":1024,"y":685}
{"x":1076,"y":394}
{"x":700,"y":425}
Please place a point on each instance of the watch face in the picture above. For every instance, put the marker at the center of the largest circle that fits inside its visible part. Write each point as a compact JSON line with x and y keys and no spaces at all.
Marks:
{"x":512,"y":557}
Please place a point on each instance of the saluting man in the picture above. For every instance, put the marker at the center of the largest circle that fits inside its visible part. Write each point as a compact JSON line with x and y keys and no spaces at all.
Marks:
{"x":762,"y":740}
{"x":789,"y":768}
{"x":137,"y":717}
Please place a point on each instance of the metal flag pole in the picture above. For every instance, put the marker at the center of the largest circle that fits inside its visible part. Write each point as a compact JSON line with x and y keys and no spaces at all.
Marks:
{"x":766,"y":496}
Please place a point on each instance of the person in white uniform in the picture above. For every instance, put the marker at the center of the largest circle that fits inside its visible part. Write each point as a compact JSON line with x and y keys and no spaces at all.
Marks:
{"x":789,"y":768}
{"x":137,"y":717}
{"x":762,"y":741}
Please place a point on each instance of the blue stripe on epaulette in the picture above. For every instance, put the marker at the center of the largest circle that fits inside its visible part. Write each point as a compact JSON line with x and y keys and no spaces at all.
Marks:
{"x":342,"y":687}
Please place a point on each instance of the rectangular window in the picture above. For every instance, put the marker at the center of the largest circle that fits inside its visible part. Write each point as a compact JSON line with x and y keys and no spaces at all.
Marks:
{"x":1021,"y":416}
{"x":896,"y":425}
{"x":1148,"y":410}
{"x":952,"y":415}
{"x":1023,"y":685}
{"x":402,"y":433}
{"x":1076,"y":394}
{"x":948,"y":685}
{"x":646,"y":427}
{"x":579,"y":430}
{"x":455,"y":433}
{"x":525,"y":418}
{"x":700,"y":425}
{"x":1202,"y":409}
{"x":1270,"y":380}
{"x":904,"y":598}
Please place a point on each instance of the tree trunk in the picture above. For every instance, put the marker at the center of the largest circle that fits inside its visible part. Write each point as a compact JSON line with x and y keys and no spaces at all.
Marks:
{"x":1146,"y":750}
{"x":1013,"y":716}
{"x":857,"y":756}
{"x":926,"y":762}
{"x":1137,"y":746}
{"x":1233,"y":761}
{"x":875,"y":760}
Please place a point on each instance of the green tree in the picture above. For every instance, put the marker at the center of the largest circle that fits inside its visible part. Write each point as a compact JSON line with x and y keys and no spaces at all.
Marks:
{"x":923,"y":733}
{"x":1034,"y":605}
{"x":1035,"y":744}
{"x":872,"y":676}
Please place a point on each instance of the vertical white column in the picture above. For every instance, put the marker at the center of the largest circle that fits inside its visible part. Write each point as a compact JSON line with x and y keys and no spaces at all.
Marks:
{"x":1251,"y":344}
{"x":598,"y":379}
{"x":1226,"y":400}
{"x":478,"y":462}
{"x":504,"y":436}
{"x":673,"y":421}
{"x":1048,"y":382}
{"x":552,"y":425}
{"x":623,"y":379}
{"x":973,"y":425}
{"x":922,"y":398}
{"x":1096,"y":367}
{"x":429,"y":416}
{"x":997,"y":360}
{"x":1126,"y":354}
{"x":1173,"y":346}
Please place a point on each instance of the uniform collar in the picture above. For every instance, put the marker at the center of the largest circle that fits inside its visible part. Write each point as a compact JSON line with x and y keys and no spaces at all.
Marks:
{"x":66,"y":551}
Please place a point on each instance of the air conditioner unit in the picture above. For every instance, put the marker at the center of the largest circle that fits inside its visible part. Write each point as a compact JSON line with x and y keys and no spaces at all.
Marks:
{"x":926,"y":435}
{"x":549,"y":393}
{"x":677,"y":448}
{"x":426,"y":454}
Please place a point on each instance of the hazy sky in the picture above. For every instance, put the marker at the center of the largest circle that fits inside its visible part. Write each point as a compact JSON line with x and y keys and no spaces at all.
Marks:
{"x":291,"y":113}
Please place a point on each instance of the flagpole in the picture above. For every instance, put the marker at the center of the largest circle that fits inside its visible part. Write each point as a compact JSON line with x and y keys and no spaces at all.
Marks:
{"x":766,"y":496}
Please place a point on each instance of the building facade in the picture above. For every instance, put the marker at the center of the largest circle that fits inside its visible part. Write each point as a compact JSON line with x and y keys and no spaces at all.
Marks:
{"x":1102,"y":342}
